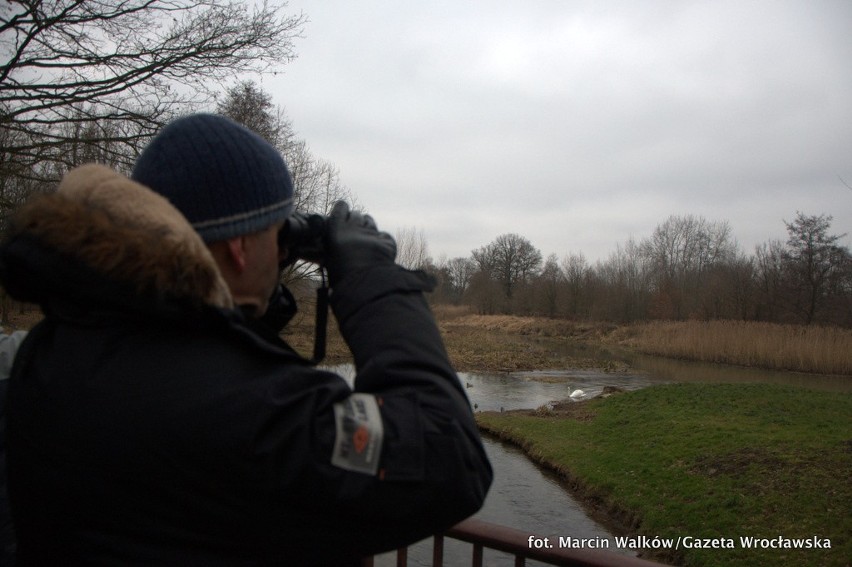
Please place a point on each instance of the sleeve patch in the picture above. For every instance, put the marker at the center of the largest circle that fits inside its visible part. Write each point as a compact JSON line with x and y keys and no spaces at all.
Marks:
{"x":359,"y":434}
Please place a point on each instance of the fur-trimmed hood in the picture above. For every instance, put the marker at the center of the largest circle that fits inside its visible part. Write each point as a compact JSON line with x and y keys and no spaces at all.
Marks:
{"x":118,"y":230}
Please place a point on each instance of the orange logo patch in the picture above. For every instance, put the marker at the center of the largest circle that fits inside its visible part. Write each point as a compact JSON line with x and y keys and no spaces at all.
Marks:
{"x":360,"y":439}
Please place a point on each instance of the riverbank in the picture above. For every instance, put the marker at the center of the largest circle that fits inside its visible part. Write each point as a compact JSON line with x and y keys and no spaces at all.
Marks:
{"x":720,"y":462}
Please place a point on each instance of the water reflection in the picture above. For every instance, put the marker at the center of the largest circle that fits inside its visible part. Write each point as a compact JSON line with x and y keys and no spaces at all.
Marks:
{"x":523,"y":497}
{"x":681,"y":371}
{"x":530,"y":499}
{"x":529,"y":390}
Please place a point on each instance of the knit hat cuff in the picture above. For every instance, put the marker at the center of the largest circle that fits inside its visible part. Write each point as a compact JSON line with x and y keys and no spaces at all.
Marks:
{"x":223,"y":228}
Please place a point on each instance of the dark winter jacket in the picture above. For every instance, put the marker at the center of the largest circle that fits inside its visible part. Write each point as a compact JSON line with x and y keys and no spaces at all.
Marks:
{"x":148,"y":424}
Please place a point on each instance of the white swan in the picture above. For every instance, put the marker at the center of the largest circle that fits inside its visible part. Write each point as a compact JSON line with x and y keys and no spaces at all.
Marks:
{"x":578,"y":394}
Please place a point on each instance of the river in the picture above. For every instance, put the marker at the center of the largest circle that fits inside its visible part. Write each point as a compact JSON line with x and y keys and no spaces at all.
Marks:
{"x":528,"y":498}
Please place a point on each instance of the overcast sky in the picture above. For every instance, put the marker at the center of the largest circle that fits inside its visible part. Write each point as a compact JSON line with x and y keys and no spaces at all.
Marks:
{"x":578,"y":124}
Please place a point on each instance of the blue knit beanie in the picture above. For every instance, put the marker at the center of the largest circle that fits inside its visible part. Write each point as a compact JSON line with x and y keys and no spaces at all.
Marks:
{"x":225,"y":179}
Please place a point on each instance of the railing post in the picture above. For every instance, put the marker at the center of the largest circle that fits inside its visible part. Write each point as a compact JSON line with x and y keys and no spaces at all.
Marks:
{"x":477,"y":555}
{"x":438,"y":551}
{"x":402,"y":557}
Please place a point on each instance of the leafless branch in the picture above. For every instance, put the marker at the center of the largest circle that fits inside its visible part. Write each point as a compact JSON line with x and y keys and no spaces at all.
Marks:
{"x":67,"y":65}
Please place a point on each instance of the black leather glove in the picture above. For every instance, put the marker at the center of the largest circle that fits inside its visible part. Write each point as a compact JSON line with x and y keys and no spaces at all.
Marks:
{"x":353,"y":243}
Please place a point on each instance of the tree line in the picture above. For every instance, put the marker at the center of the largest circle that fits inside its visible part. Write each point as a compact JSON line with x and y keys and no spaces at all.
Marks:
{"x":689,"y":268}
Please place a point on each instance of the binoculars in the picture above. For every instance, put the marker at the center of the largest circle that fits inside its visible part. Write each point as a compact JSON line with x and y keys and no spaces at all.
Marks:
{"x":303,"y":235}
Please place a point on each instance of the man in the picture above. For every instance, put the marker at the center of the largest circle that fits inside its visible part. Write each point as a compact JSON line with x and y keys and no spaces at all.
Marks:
{"x":149,"y":422}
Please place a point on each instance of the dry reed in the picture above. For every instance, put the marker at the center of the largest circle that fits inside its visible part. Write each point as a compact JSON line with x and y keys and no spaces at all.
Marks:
{"x":825,"y":350}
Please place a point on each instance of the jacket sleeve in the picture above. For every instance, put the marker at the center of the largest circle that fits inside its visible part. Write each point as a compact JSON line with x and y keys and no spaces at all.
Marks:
{"x":433,"y":471}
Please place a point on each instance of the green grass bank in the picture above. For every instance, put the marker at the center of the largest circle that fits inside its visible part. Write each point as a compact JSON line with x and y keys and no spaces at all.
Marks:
{"x":723,"y":461}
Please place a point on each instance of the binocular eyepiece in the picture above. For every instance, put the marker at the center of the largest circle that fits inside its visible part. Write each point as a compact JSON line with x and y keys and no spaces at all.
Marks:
{"x":304,"y":236}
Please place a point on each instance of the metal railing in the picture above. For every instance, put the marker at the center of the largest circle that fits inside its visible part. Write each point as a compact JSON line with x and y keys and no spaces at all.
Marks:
{"x":484,"y":535}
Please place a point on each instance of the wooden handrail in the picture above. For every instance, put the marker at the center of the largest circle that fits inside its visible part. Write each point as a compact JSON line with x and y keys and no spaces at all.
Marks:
{"x":485,"y":535}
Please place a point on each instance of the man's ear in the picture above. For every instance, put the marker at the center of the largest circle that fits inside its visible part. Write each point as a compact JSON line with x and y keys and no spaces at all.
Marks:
{"x":237,"y":253}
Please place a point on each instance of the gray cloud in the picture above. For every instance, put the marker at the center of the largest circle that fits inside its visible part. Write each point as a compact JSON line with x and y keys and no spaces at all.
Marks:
{"x":578,"y":124}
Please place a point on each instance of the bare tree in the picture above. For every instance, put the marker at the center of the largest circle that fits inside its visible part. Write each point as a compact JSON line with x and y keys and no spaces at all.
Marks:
{"x":121,"y":68}
{"x":812,"y":259}
{"x":317,"y":181}
{"x":412,"y":251}
{"x":549,"y":283}
{"x":625,"y":279}
{"x":12,"y":180}
{"x":252,"y":107}
{"x":510,"y":260}
{"x":688,"y":244}
{"x":460,"y":272}
{"x":769,"y":279}
{"x":576,"y":271}
{"x":681,"y":251}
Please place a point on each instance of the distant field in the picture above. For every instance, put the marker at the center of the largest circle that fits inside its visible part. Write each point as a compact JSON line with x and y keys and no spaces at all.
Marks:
{"x":716,"y":461}
{"x":823,"y":350}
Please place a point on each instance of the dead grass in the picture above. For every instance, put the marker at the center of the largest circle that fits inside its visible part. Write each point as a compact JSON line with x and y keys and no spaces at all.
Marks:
{"x":824,"y":350}
{"x":525,"y":326}
{"x":508,"y":343}
{"x":446,"y":312}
